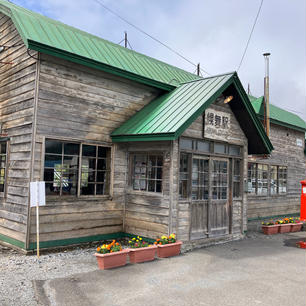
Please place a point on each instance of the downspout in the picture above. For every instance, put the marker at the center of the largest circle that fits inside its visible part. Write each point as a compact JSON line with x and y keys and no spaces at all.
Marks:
{"x":33,"y":146}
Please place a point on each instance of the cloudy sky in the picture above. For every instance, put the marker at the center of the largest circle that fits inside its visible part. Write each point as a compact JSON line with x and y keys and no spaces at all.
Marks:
{"x":213,"y":33}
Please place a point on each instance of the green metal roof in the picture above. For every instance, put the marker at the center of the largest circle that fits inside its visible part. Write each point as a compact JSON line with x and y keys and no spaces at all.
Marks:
{"x":278,"y":115}
{"x":168,"y":116}
{"x":55,"y":38}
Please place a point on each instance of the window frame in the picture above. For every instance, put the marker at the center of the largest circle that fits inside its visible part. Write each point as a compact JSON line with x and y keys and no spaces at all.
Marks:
{"x":269,"y":177}
{"x":7,"y":146}
{"x":132,"y":156}
{"x":79,"y":170}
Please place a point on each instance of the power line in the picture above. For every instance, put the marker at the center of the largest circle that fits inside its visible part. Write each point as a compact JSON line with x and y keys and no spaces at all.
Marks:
{"x":145,"y":33}
{"x":246,"y":47}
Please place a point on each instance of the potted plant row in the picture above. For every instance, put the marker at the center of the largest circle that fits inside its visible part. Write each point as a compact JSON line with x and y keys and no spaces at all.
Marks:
{"x":285,"y":225}
{"x":113,"y":255}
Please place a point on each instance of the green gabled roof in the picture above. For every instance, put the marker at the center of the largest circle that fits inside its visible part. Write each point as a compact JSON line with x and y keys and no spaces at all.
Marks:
{"x":55,"y":38}
{"x":278,"y":115}
{"x":168,"y":116}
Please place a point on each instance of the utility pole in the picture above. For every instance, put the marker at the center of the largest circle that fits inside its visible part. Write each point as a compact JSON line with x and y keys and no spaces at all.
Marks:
{"x":125,"y":39}
{"x":198,"y":69}
{"x":249,"y":88}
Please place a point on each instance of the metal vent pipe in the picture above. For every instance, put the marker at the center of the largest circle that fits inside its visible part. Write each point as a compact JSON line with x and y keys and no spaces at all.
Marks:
{"x":266,"y":95}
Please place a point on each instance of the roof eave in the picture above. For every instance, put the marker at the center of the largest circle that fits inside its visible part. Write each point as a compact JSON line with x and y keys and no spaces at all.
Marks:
{"x":143,"y":137}
{"x":97,"y":65}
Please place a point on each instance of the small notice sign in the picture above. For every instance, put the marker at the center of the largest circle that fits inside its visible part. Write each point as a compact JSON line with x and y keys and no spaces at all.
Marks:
{"x":304,"y":190}
{"x":37,"y":194}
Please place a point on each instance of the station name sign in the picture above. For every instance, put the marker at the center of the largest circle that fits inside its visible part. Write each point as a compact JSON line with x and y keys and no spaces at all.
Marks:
{"x":216,"y":124}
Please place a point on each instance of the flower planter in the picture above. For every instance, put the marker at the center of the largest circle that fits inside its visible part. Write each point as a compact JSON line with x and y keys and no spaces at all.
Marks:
{"x":285,"y":228}
{"x":111,"y":260}
{"x":296,"y":227}
{"x":270,"y":229}
{"x":142,"y":254}
{"x":168,"y":250}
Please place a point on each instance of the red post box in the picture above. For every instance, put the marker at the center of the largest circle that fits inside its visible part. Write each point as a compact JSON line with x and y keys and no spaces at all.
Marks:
{"x":303,"y":201}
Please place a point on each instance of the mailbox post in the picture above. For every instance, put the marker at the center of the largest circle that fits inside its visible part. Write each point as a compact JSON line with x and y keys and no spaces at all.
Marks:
{"x":303,"y":201}
{"x":302,"y":244}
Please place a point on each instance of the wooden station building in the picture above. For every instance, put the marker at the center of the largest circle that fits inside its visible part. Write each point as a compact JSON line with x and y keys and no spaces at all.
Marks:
{"x":129,"y":145}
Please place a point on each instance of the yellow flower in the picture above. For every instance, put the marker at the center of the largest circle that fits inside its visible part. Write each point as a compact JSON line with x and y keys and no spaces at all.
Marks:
{"x":137,"y":240}
{"x":140,"y":239}
{"x":164,"y":237}
{"x":130,"y":241}
{"x":134,"y":238}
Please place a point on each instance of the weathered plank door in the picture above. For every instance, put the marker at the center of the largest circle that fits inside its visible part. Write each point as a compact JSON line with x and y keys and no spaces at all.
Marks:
{"x":218,"y":209}
{"x":199,"y":197}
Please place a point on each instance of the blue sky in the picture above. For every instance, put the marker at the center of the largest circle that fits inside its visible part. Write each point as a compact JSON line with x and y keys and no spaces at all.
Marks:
{"x":213,"y":33}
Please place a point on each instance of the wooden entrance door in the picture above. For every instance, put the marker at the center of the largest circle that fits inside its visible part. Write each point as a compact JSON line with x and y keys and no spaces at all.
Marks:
{"x":209,"y":197}
{"x":218,"y":217}
{"x":199,"y":197}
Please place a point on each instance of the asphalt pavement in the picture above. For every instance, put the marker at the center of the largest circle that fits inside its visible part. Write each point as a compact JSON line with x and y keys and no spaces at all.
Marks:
{"x":258,"y":270}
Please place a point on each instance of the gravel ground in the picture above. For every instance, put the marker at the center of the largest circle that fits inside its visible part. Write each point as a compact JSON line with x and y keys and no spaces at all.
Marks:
{"x":18,"y":272}
{"x":21,"y":276}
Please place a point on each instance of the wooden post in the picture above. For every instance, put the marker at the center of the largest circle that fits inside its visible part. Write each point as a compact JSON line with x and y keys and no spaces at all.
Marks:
{"x":37,"y":228}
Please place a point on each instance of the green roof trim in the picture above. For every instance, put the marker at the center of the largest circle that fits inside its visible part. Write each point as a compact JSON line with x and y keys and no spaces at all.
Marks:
{"x":168,"y":116}
{"x":278,"y":115}
{"x":52,"y":37}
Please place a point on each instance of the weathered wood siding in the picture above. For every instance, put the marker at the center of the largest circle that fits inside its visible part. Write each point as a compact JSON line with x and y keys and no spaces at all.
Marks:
{"x":81,"y":104}
{"x":237,"y":137}
{"x":147,"y":213}
{"x":17,"y":82}
{"x":285,"y":153}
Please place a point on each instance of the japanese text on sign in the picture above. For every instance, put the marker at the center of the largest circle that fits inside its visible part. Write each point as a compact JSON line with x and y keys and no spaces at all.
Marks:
{"x":217,"y":120}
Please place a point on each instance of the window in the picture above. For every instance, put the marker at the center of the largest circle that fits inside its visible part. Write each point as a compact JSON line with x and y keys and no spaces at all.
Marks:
{"x":200,"y":179}
{"x":3,"y":158}
{"x":147,"y":172}
{"x":273,"y":180}
{"x":219,"y":180}
{"x":184,"y":170}
{"x":282,"y":179}
{"x":95,"y":170}
{"x":210,"y":147}
{"x":63,"y":173}
{"x":237,"y":178}
{"x":252,"y":178}
{"x":262,"y":179}
{"x":259,"y":175}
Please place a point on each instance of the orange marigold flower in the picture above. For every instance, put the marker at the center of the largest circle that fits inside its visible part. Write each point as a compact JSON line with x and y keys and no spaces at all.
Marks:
{"x":117,"y":243}
{"x":155,"y":242}
{"x":157,"y":239}
{"x":98,"y":249}
{"x":160,"y":243}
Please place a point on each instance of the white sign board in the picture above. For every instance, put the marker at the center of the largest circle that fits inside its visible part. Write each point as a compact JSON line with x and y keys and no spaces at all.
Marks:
{"x":216,"y":124}
{"x":299,"y":142}
{"x":37,"y":194}
{"x":304,"y":190}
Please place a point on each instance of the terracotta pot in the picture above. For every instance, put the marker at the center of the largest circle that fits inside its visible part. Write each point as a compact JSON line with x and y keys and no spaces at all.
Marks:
{"x":167,"y":250}
{"x":112,"y":260}
{"x":302,"y":244}
{"x":296,"y":227}
{"x":270,"y":229}
{"x":285,"y":228}
{"x":142,"y":254}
